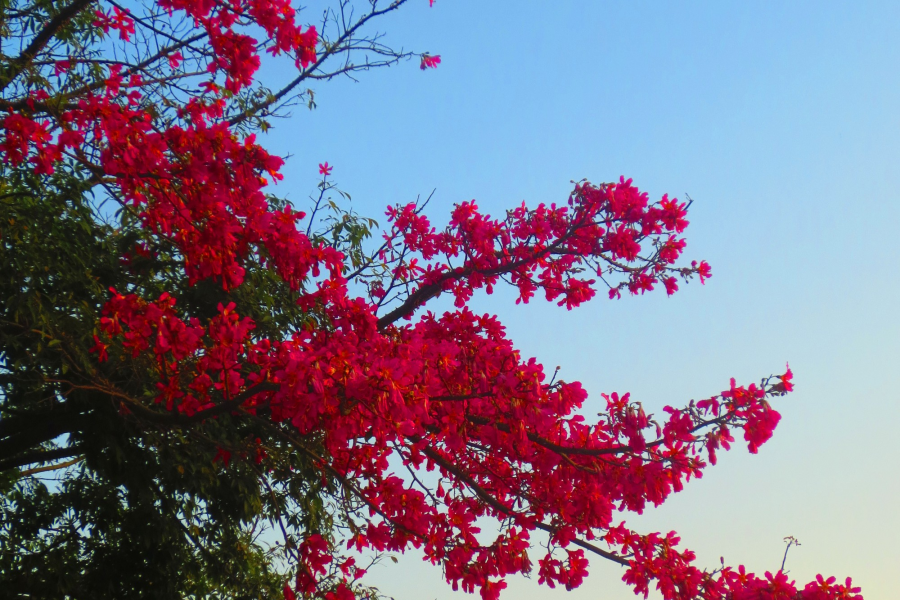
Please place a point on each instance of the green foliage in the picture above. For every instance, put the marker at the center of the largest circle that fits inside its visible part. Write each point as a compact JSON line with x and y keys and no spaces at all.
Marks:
{"x":143,"y":509}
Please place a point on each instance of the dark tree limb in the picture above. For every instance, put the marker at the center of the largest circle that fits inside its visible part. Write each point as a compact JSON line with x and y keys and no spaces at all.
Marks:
{"x":17,"y":65}
{"x":39,"y":457}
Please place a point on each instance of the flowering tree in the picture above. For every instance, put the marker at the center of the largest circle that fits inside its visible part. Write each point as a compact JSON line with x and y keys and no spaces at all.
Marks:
{"x":202,"y":363}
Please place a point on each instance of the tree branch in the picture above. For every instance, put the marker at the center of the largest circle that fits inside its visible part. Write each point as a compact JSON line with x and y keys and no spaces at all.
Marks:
{"x":39,"y":457}
{"x":183,"y":420}
{"x":332,"y":49}
{"x":38,"y":433}
{"x":427,"y":292}
{"x":40,"y":40}
{"x":502,"y":508}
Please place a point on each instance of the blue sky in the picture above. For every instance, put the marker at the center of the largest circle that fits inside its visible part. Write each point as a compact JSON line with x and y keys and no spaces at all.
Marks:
{"x":781,"y":121}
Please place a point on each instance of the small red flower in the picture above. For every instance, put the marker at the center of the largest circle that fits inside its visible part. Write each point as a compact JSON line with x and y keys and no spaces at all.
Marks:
{"x":430,"y":62}
{"x":175,"y":59}
{"x":703,"y":270}
{"x":786,"y":384}
{"x":325,"y":169}
{"x":61,"y":66}
{"x":100,"y":348}
{"x":222,"y":455}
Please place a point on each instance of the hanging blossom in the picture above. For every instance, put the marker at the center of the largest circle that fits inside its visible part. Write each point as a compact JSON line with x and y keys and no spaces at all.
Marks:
{"x":429,"y":61}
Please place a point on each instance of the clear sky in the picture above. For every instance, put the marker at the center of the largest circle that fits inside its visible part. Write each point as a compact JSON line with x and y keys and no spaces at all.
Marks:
{"x":781,"y":121}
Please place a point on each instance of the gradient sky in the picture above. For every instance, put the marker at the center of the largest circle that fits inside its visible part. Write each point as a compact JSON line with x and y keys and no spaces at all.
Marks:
{"x":781,"y":121}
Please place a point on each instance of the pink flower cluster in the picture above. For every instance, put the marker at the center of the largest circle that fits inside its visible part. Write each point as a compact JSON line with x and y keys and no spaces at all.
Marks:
{"x":610,"y":231}
{"x":236,"y":53}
